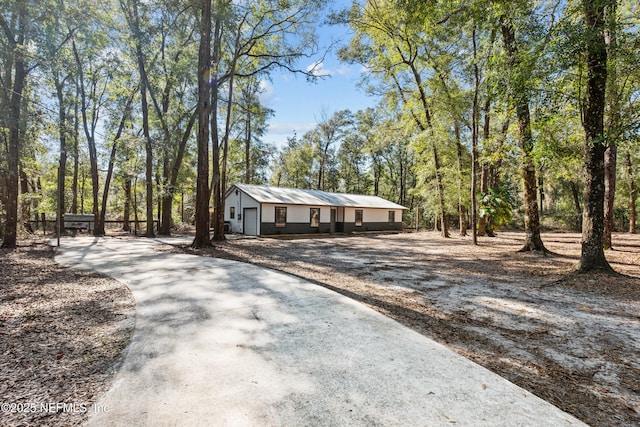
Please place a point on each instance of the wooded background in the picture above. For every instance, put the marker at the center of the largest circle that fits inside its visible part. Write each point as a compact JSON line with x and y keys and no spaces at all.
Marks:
{"x":491,"y":112}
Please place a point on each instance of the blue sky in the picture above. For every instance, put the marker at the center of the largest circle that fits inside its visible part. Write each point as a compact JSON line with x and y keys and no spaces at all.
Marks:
{"x":299,"y":105}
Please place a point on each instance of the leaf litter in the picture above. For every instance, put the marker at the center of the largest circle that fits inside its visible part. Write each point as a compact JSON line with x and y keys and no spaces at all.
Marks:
{"x":62,"y":333}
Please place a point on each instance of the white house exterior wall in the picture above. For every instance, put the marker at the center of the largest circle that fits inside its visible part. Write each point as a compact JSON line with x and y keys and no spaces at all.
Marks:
{"x":325,"y":214}
{"x":373,"y":219}
{"x":295,"y":213}
{"x":371,"y":215}
{"x":268,"y":213}
{"x":239,"y":201}
{"x":298,"y":219}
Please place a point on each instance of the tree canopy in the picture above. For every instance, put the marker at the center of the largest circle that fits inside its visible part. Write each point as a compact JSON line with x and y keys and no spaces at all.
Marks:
{"x":147,"y":111}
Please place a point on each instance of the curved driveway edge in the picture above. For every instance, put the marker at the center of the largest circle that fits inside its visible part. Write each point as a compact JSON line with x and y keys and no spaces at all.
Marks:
{"x":224,"y":343}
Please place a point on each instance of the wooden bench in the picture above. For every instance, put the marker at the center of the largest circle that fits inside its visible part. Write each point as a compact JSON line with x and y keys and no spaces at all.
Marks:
{"x":78,"y":222}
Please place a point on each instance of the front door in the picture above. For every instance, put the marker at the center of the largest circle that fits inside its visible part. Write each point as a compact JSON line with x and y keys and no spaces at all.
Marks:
{"x":332,"y":226}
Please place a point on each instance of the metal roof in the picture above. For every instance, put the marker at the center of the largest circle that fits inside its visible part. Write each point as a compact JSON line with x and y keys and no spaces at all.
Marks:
{"x":294,"y":196}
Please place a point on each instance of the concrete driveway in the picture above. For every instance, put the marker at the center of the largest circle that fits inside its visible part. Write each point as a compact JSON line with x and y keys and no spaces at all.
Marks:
{"x":222,"y":343}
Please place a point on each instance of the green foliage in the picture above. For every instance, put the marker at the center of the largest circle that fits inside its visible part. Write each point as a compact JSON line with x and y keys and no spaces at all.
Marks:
{"x":294,"y":166}
{"x":419,"y":61}
{"x":497,"y":207}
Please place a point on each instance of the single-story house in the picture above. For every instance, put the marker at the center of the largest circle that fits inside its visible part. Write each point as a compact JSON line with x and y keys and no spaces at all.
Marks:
{"x":259,"y":210}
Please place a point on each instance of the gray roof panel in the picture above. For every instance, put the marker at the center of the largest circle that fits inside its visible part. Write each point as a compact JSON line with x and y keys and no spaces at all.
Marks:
{"x":293,"y":196}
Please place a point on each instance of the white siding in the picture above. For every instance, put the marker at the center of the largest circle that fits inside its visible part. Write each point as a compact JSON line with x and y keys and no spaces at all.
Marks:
{"x":325,"y":214}
{"x":398,"y":215}
{"x":240,"y":201}
{"x":350,"y":215}
{"x":295,"y":213}
{"x":300,"y":214}
{"x":375,"y":215}
{"x":269,"y":213}
{"x":371,"y":215}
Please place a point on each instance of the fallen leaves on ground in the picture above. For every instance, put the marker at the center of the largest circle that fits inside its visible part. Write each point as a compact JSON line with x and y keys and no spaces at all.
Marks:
{"x":61,"y":336}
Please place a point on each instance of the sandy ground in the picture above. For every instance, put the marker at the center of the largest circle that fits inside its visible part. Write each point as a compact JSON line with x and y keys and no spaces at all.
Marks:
{"x":573,"y":340}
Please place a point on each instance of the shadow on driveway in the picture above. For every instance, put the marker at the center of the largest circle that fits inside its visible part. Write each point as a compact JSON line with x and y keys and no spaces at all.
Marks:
{"x":219,"y":342}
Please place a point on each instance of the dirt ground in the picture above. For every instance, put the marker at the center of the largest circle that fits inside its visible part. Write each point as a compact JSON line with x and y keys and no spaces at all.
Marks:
{"x":62,"y":333}
{"x":573,"y":340}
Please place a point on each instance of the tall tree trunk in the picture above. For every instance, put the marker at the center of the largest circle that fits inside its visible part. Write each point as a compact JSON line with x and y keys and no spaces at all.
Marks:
{"x":169,"y":151}
{"x":444,"y":231}
{"x":62,"y":136}
{"x":112,"y":158}
{"x":135,"y":207}
{"x":218,"y":229}
{"x":474,"y":141}
{"x":484,"y":187}
{"x":484,"y":170}
{"x":126,"y":215}
{"x":76,"y":162}
{"x":167,"y":201}
{"x":248,"y":173}
{"x":575,"y":194}
{"x":541,"y":192}
{"x":38,"y":186}
{"x":533,"y":241}
{"x":144,"y":105}
{"x":201,"y":238}
{"x":493,"y":175}
{"x":98,"y":226}
{"x":610,"y":160}
{"x":89,"y":130}
{"x":423,"y":125}
{"x":402,"y":178}
{"x":216,"y":179}
{"x":25,"y":210}
{"x":592,"y":255}
{"x":632,"y":195}
{"x":17,"y":44}
{"x":462,"y":216}
{"x":158,"y":211}
{"x":83,"y":179}
{"x":323,"y":159}
{"x":247,"y":149}
{"x":434,"y":150}
{"x":377,"y":172}
{"x":613,"y":122}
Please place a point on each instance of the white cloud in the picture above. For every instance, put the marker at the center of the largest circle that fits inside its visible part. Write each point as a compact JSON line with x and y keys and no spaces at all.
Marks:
{"x":279,"y":128}
{"x":344,"y":70}
{"x":265,"y":92}
{"x":317,"y":69}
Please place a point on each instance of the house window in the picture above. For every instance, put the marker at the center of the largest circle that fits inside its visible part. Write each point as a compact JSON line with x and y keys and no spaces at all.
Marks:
{"x":281,"y":216}
{"x":358,"y":217}
{"x":392,"y":217}
{"x":232,"y":212}
{"x":315,"y":217}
